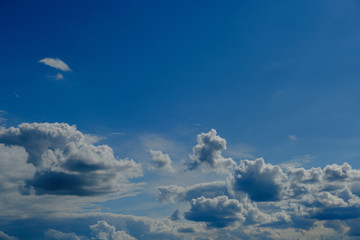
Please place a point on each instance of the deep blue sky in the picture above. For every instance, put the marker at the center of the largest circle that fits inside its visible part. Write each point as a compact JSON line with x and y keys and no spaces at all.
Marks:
{"x":276,"y":79}
{"x":255,"y":70}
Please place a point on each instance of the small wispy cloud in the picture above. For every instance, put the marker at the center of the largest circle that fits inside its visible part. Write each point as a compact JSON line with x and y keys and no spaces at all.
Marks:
{"x":293,"y":137}
{"x":56,"y":63}
{"x":59,"y":76}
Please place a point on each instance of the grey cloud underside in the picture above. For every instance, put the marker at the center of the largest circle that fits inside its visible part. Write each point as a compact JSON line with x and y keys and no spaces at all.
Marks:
{"x":66,"y":162}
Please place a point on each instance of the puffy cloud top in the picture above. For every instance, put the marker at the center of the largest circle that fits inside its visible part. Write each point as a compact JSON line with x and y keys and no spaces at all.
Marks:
{"x":261,"y":181}
{"x":67,"y":162}
{"x":208,"y":151}
{"x":103,"y":231}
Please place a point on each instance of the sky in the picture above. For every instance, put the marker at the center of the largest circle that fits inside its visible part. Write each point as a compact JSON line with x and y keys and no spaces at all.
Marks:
{"x":179,"y":119}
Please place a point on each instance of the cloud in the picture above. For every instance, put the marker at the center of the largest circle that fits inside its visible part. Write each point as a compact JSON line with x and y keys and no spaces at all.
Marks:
{"x":56,"y":63}
{"x":208,"y":152}
{"x":221,"y":212}
{"x":293,"y":137}
{"x":14,"y":169}
{"x":217,"y":212}
{"x":263,"y":182}
{"x":173,"y":193}
{"x":59,"y":76}
{"x":53,"y":234}
{"x":67,"y":163}
{"x":161,"y":160}
{"x":4,"y":236}
{"x":103,"y":231}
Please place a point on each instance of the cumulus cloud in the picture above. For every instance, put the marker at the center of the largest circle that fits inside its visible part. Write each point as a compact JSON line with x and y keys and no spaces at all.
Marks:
{"x":53,"y":234}
{"x":67,"y":163}
{"x":208,"y":152}
{"x":221,"y":212}
{"x":4,"y":236}
{"x":14,"y":168}
{"x":263,"y":182}
{"x":161,"y":160}
{"x":103,"y":231}
{"x":216,"y":212}
{"x":56,"y":63}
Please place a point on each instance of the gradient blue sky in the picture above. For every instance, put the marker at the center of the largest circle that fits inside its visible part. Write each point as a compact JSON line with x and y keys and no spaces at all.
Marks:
{"x":276,"y":79}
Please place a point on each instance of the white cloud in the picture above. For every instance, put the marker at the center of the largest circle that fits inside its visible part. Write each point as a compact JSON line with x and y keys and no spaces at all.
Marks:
{"x":56,"y":63}
{"x":208,"y":152}
{"x":263,"y":182}
{"x":65,"y":157}
{"x":52,"y":234}
{"x":103,"y":231}
{"x":161,"y":160}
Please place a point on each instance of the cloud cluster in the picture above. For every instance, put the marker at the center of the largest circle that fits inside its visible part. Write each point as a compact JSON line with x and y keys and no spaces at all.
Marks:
{"x":208,"y":152}
{"x":66,"y":162}
{"x":161,"y":160}
{"x":264,"y":195}
{"x":56,"y":63}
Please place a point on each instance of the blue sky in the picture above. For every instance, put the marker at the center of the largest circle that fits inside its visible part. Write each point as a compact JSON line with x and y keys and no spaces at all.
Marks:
{"x":276,"y":80}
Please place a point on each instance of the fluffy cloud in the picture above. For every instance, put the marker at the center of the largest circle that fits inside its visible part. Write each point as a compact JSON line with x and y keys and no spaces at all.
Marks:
{"x":221,"y":212}
{"x":103,"y":231}
{"x":208,"y":152}
{"x":263,"y":182}
{"x":216,"y":212}
{"x":4,"y":236}
{"x":14,"y":169}
{"x":161,"y":160}
{"x":53,"y":234}
{"x":67,"y":162}
{"x":55,"y":63}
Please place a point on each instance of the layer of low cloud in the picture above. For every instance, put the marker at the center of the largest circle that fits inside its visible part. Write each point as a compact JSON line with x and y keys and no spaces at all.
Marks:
{"x":161,"y":160}
{"x":56,"y":63}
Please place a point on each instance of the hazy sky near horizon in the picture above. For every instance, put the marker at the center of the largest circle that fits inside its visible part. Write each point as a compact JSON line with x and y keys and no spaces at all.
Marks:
{"x":179,"y":119}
